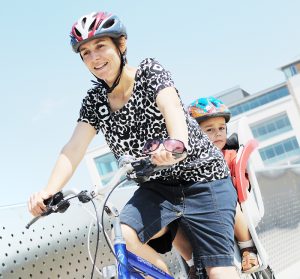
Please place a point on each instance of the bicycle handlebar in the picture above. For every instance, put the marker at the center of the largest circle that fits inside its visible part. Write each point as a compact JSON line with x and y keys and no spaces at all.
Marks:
{"x":140,"y":170}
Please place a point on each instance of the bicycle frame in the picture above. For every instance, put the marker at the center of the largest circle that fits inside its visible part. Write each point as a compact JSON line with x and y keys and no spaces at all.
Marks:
{"x":129,"y":264}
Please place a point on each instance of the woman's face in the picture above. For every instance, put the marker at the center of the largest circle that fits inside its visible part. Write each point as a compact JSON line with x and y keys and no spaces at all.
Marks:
{"x":102,"y":58}
{"x":215,"y":128}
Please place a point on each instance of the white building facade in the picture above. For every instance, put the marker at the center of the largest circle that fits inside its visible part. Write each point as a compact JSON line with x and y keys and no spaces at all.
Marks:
{"x":273,"y":117}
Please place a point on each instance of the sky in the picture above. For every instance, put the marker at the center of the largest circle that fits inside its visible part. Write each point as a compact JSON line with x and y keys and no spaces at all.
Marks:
{"x":209,"y":47}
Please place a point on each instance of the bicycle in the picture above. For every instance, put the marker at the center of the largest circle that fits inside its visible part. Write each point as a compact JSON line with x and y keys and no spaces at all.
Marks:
{"x":129,"y":264}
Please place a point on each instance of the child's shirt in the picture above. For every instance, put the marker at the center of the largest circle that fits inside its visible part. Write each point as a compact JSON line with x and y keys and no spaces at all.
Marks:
{"x":230,"y":156}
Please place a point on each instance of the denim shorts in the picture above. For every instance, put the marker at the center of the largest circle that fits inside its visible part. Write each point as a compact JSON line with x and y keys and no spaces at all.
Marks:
{"x":205,"y":211}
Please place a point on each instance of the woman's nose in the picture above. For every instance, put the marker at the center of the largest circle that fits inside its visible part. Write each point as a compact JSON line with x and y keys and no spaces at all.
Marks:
{"x":95,"y":55}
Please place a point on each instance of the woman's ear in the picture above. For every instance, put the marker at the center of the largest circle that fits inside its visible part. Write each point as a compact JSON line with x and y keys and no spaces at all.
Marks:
{"x":123,"y":44}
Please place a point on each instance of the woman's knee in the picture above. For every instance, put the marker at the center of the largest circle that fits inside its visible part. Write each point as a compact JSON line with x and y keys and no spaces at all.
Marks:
{"x":222,"y":272}
{"x":130,"y":237}
{"x":160,"y":233}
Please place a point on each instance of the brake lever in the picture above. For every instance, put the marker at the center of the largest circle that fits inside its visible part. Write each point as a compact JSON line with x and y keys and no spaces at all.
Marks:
{"x":54,"y":204}
{"x":45,"y":213}
{"x":143,"y":167}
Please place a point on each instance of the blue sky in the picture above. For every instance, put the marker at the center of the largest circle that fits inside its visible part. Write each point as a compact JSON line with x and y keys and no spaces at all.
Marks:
{"x":209,"y":46}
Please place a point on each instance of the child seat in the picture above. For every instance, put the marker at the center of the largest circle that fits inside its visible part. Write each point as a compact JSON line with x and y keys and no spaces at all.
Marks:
{"x":249,"y":195}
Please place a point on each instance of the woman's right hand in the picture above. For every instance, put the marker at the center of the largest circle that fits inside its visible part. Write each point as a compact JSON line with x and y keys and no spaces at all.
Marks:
{"x":36,"y":204}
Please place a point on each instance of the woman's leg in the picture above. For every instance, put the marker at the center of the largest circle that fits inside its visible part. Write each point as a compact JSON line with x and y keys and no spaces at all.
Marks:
{"x":226,"y":272}
{"x":135,"y":246}
{"x":208,"y":220}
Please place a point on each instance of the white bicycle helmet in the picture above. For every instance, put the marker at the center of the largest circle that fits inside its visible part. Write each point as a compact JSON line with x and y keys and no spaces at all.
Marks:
{"x":96,"y":25}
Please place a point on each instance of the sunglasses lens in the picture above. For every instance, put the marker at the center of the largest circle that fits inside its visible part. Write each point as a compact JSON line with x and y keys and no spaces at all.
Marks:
{"x":151,"y":146}
{"x":174,"y":146}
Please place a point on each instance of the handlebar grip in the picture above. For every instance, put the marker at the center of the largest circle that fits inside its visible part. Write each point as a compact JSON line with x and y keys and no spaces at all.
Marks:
{"x":47,"y":201}
{"x":55,"y":199}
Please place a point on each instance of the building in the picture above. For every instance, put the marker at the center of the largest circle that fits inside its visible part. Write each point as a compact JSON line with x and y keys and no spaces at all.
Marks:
{"x":272,"y":116}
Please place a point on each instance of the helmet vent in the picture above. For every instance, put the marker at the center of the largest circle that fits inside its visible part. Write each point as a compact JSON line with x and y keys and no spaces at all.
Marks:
{"x":77,"y":32}
{"x":92,"y":25}
{"x":109,"y":23}
{"x":83,"y":22}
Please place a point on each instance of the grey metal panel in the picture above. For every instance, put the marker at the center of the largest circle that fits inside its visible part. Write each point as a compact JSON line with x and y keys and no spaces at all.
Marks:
{"x":279,"y":230}
{"x":56,"y":246}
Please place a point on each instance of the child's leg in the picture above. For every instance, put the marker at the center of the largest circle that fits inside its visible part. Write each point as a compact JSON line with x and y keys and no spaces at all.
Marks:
{"x":241,"y":231}
{"x":185,"y":249}
{"x":183,"y":245}
{"x":245,"y":242}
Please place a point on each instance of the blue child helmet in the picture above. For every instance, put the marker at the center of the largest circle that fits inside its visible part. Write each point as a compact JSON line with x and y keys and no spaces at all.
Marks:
{"x":205,"y":108}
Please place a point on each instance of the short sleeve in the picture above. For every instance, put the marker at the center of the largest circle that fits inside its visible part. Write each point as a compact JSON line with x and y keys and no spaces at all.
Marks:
{"x":87,"y":113}
{"x":157,"y":77}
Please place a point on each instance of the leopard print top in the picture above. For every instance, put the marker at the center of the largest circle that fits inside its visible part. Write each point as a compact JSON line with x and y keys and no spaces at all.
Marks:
{"x":127,"y":130}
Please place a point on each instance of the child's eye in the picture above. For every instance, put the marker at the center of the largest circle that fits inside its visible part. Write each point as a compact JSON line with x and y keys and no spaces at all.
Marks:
{"x":99,"y":46}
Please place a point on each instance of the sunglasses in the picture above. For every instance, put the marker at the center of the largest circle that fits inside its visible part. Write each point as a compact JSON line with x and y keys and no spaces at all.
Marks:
{"x":171,"y":145}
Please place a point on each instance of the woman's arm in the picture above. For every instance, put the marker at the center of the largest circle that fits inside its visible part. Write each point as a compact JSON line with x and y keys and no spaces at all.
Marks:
{"x":66,"y":164}
{"x":170,"y":106}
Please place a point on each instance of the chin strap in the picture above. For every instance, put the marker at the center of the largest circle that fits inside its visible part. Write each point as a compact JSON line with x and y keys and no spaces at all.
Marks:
{"x":117,"y":80}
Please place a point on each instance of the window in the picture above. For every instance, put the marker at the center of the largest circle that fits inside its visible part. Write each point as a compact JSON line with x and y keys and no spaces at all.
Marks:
{"x":106,"y":165}
{"x":287,"y":151}
{"x":260,"y":101}
{"x":272,"y":127}
{"x":291,"y":70}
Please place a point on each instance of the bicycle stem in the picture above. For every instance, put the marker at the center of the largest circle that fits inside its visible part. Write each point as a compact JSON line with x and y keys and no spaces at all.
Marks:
{"x":101,"y":191}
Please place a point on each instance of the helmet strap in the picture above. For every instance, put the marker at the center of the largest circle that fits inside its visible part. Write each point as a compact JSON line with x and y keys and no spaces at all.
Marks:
{"x":117,"y":80}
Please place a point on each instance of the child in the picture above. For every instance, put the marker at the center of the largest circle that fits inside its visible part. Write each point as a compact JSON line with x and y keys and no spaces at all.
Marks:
{"x":212,"y":116}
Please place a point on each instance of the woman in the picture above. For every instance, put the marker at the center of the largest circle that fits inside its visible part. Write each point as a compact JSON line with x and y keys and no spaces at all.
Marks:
{"x":132,"y":106}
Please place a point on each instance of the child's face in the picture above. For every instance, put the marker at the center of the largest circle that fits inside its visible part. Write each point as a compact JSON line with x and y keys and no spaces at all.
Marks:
{"x":215,"y":128}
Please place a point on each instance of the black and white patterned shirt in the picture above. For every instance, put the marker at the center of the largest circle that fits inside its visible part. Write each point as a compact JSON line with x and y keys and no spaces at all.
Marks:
{"x":127,"y":130}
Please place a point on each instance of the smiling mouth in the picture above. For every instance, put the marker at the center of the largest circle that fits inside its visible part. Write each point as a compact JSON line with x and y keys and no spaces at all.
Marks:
{"x":101,"y":66}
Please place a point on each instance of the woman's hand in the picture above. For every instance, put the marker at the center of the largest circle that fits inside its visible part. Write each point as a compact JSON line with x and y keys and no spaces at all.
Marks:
{"x":162,"y":157}
{"x":36,"y":204}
